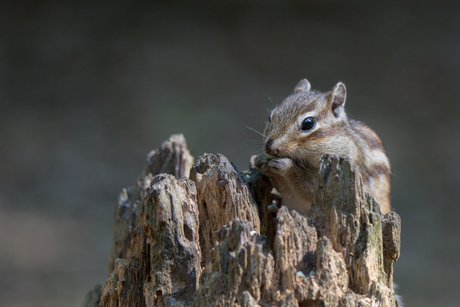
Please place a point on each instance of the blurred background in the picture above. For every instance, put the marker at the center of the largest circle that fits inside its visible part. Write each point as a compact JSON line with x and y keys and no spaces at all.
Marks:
{"x":87,"y":89}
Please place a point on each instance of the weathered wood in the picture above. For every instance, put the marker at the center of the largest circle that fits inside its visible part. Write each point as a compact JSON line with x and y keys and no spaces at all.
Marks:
{"x":223,"y":196}
{"x":209,"y":241}
{"x":391,"y":228}
{"x":173,"y":158}
{"x":169,"y":219}
{"x":93,"y":297}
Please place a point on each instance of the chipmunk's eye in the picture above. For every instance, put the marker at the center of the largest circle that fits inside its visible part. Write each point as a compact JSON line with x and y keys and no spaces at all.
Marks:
{"x":308,"y":124}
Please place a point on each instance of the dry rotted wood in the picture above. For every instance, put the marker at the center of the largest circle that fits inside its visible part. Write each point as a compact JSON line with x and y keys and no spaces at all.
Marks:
{"x":208,"y":240}
{"x":174,"y":158}
{"x":223,"y":196}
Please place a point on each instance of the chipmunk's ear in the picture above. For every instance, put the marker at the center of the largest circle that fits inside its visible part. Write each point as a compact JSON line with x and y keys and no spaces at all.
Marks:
{"x":337,"y":97}
{"x":303,"y":86}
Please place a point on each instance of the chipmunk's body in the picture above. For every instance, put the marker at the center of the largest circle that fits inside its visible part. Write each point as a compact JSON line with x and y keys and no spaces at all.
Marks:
{"x":309,"y":124}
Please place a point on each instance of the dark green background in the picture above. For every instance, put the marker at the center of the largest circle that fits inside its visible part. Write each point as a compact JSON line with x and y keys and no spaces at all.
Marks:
{"x":86,"y":90}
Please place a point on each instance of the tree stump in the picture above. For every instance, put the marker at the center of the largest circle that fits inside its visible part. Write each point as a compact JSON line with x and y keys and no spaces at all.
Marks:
{"x":208,"y":240}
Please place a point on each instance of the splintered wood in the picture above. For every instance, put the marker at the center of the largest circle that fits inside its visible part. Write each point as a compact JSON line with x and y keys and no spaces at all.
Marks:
{"x":210,"y":241}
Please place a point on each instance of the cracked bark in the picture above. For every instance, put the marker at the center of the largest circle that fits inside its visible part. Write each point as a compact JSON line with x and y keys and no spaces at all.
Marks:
{"x":208,"y":240}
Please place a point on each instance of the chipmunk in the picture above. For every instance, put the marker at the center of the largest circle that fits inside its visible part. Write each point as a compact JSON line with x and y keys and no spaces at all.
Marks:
{"x":309,"y":124}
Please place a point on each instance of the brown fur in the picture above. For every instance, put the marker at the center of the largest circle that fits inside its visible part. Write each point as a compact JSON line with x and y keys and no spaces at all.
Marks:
{"x":291,"y":157}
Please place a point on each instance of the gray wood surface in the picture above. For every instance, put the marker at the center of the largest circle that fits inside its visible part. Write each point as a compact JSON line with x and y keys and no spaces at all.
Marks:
{"x":210,"y":240}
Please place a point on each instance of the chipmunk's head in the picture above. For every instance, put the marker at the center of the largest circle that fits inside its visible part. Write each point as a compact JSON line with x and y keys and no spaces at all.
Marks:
{"x":307,"y":124}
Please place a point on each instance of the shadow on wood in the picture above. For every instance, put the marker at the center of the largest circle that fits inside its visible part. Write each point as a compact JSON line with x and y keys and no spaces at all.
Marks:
{"x":208,"y":240}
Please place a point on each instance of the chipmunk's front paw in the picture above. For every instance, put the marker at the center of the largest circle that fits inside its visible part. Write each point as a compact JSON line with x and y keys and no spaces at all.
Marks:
{"x":261,"y":163}
{"x":272,"y":166}
{"x":280,"y":166}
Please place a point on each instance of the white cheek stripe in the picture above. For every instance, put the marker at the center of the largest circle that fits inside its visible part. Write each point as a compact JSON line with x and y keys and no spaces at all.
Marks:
{"x":295,"y":126}
{"x":281,"y":140}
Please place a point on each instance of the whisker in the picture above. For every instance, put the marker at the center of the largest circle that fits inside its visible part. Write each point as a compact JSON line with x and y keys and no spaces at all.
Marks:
{"x":301,"y":162}
{"x":254,"y":130}
{"x":269,"y":98}
{"x":304,"y":161}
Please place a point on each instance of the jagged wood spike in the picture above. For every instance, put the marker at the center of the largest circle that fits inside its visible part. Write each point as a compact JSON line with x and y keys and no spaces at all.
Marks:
{"x":203,"y":242}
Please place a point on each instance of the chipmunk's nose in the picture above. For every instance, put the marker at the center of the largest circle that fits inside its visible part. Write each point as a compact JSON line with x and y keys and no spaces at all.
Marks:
{"x":268,"y":148}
